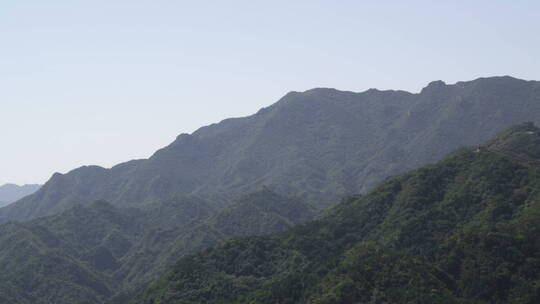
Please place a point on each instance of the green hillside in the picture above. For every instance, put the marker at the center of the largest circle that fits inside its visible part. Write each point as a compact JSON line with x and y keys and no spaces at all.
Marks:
{"x":465,"y":230}
{"x":66,"y":258}
{"x":258,"y":213}
{"x":87,"y":254}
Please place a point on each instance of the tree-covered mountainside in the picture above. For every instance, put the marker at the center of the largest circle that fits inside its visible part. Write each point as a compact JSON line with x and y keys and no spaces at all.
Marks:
{"x":87,"y":254}
{"x":66,"y":258}
{"x":319,"y":145}
{"x":11,"y":192}
{"x":464,"y":230}
{"x":258,"y":213}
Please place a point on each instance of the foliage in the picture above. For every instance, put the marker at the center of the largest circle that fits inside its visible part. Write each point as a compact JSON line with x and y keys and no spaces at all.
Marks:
{"x":88,"y":254}
{"x":465,"y":230}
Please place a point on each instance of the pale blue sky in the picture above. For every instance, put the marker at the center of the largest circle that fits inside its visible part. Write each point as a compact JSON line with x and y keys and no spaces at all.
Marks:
{"x":101,"y":82}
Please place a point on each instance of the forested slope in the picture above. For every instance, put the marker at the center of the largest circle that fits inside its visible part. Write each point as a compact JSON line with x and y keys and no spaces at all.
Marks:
{"x":465,"y":230}
{"x":87,"y":254}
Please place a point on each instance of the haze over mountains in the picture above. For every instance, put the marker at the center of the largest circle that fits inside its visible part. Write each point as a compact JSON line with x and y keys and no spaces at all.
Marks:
{"x":94,"y":233}
{"x":320,"y":145}
{"x":11,"y":192}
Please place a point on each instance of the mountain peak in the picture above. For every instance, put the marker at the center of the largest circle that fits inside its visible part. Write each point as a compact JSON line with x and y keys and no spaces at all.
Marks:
{"x":437,"y":83}
{"x":434,"y":86}
{"x":317,"y":144}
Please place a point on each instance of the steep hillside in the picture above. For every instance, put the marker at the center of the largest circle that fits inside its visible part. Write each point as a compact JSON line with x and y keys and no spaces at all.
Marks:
{"x":319,"y":145}
{"x":465,"y":230}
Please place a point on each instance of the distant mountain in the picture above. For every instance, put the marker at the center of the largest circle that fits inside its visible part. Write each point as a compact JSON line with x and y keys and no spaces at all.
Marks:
{"x":465,"y":230}
{"x":318,"y":145}
{"x":10,"y":193}
{"x":87,"y":254}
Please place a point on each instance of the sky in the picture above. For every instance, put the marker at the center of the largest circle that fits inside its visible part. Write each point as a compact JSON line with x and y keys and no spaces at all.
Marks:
{"x":104,"y":81}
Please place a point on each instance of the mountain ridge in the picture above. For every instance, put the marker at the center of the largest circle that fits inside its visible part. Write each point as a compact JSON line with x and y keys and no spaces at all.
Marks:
{"x":320,"y":144}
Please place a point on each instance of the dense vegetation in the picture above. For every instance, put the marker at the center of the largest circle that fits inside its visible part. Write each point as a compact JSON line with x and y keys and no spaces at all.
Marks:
{"x":465,"y":230}
{"x":319,"y":145}
{"x":87,"y":254}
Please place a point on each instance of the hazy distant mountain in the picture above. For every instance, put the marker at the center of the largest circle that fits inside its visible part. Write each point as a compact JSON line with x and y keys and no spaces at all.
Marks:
{"x":320,"y":145}
{"x":11,"y":192}
{"x":465,"y":230}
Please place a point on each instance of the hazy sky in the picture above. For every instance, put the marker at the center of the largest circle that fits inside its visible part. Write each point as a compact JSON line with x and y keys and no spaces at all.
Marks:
{"x":101,"y":82}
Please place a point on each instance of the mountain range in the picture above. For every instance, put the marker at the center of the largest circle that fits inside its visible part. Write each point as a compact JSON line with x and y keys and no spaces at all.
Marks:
{"x":95,"y":235}
{"x":318,"y":145}
{"x":10,"y":193}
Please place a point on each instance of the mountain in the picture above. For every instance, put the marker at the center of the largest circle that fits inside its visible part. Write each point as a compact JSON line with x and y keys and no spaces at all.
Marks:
{"x":318,"y":145}
{"x":65,"y":258}
{"x":89,"y":253}
{"x":10,"y":193}
{"x":464,"y":230}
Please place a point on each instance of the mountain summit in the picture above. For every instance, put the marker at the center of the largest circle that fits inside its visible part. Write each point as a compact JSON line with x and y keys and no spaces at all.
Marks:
{"x":320,"y":144}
